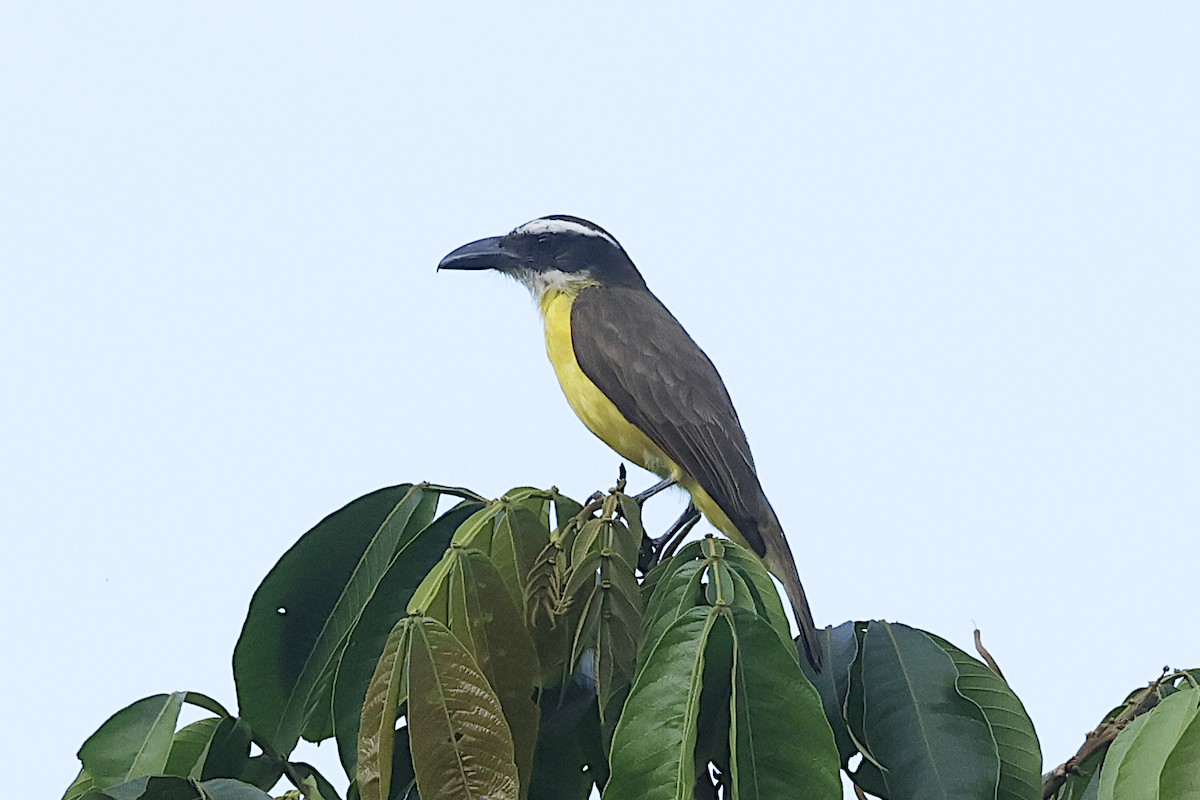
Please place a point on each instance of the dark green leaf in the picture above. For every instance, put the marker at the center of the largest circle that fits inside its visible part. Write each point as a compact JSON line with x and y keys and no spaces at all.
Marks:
{"x":263,"y":771}
{"x":1012,"y":730}
{"x":570,"y":755}
{"x":314,"y":782}
{"x":404,"y":780}
{"x":175,"y":788}
{"x":303,"y":612}
{"x":714,"y":723}
{"x":229,"y":789}
{"x":933,"y":743}
{"x":229,"y":754}
{"x":839,"y":649}
{"x":387,"y":604}
{"x":207,"y":703}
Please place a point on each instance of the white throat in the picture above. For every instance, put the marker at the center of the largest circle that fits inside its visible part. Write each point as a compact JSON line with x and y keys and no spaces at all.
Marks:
{"x":540,"y":283}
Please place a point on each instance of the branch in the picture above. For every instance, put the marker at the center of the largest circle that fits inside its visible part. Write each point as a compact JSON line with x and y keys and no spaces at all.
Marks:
{"x":1103,"y":736}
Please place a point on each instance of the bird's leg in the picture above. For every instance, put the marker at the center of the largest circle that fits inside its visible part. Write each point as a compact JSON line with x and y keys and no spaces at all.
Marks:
{"x":653,"y":550}
{"x":667,"y":543}
{"x":665,"y":483}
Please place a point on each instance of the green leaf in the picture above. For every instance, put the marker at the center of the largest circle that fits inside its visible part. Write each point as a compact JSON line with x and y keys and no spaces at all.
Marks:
{"x":1136,"y":758}
{"x":130,"y":745}
{"x":228,"y":753}
{"x":134,"y":742}
{"x":714,"y":723}
{"x":719,"y":589}
{"x":304,"y":611}
{"x":779,"y":737}
{"x":313,"y":782}
{"x":728,"y":568}
{"x":1181,"y":772}
{"x":404,"y":780}
{"x":81,"y":786}
{"x":932,"y":742}
{"x":611,"y":611}
{"x":377,"y":731}
{"x":491,"y":624}
{"x":189,"y":748}
{"x":675,"y":592}
{"x":175,"y":788}
{"x":462,"y":747}
{"x":839,"y":649}
{"x":1083,"y":784}
{"x":1016,"y":741}
{"x":207,"y":703}
{"x":570,"y":754}
{"x":564,"y":509}
{"x":229,"y":789}
{"x":263,"y":771}
{"x":551,"y":618}
{"x":513,"y":542}
{"x":763,"y":595}
{"x":380,"y":613}
{"x":653,"y":750}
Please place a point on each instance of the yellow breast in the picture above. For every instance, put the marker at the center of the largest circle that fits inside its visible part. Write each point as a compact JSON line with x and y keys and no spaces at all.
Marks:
{"x":603,"y":418}
{"x":589,"y":403}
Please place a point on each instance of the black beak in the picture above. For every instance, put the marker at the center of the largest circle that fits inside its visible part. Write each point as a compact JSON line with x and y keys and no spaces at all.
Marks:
{"x":483,"y":254}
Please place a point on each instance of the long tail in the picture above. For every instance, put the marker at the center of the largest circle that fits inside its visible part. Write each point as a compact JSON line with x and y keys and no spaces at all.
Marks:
{"x":779,"y":560}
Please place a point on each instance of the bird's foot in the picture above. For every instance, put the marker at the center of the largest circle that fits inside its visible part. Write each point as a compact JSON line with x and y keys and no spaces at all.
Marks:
{"x":655,"y":550}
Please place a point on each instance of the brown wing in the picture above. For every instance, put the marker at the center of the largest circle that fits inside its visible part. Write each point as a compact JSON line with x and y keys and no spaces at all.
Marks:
{"x":638,"y":354}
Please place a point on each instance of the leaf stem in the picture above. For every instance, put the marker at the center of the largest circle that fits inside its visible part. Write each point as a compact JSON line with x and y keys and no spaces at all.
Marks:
{"x":289,"y":770}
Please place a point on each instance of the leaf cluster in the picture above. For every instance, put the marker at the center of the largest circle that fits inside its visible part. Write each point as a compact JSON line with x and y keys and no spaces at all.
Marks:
{"x":536,"y":648}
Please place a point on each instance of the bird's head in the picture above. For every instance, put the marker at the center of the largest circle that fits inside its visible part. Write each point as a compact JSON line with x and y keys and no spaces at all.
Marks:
{"x":556,"y":252}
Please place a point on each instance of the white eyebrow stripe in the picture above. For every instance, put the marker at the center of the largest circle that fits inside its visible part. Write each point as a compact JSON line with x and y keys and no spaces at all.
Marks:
{"x":547,"y":225}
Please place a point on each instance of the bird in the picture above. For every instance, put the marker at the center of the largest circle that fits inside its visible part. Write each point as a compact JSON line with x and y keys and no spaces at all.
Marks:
{"x":639,"y":381}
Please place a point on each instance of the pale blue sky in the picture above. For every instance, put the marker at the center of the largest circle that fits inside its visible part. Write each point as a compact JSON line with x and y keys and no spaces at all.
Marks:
{"x":944,"y":254}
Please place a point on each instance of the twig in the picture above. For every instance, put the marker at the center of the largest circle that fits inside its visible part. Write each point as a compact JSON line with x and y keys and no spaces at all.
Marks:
{"x":987,"y":657}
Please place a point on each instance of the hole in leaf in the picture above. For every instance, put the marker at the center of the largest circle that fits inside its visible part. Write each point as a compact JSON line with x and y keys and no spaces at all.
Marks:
{"x":255,"y":750}
{"x":458,"y":736}
{"x":282,"y":610}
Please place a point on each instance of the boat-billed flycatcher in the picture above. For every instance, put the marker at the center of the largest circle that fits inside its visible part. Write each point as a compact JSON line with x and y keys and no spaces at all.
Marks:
{"x":639,"y":382}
